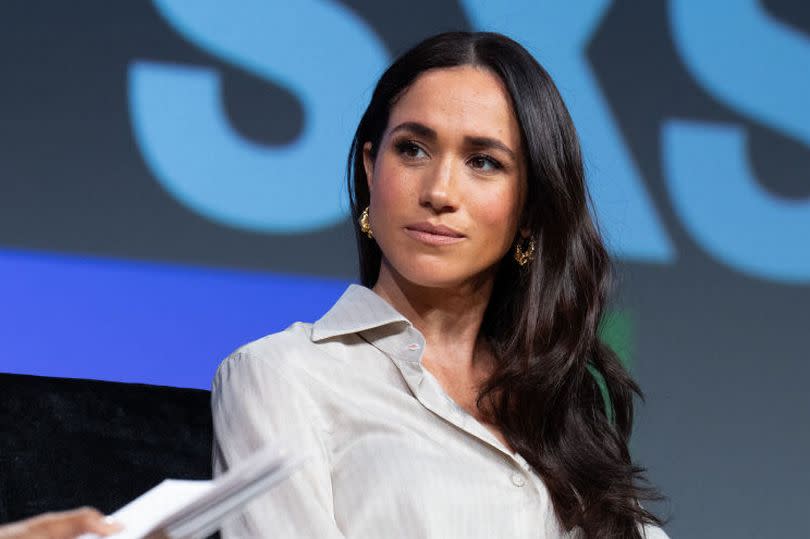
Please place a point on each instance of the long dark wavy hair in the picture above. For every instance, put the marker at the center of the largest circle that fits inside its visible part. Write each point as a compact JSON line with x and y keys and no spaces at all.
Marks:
{"x":542,"y":320}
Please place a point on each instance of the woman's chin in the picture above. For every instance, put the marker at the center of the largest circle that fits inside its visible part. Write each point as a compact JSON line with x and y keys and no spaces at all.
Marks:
{"x":441,"y":275}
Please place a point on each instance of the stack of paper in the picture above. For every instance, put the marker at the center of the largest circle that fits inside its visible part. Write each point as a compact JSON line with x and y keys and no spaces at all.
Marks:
{"x":178,"y":509}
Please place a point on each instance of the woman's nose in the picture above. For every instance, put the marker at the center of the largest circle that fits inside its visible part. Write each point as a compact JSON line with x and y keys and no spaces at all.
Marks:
{"x":439,"y":187}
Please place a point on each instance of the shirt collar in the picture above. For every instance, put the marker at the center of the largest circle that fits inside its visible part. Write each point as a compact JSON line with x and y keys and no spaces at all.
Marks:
{"x":358,"y":309}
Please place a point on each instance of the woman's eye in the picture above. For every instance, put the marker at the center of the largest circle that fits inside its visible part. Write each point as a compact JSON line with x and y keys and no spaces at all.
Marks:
{"x":410,"y":149}
{"x":485,"y":163}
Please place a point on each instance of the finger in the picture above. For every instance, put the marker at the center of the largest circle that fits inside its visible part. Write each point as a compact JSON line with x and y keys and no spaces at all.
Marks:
{"x":16,"y":530}
{"x":106,"y":526}
{"x":69,"y":524}
{"x":89,"y":519}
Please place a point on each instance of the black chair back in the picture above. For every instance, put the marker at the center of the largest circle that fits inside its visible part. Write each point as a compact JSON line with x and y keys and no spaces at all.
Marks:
{"x":66,"y":443}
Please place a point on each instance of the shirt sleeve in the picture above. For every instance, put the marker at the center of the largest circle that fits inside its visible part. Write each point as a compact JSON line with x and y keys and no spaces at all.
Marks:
{"x":653,"y":532}
{"x":254,"y":403}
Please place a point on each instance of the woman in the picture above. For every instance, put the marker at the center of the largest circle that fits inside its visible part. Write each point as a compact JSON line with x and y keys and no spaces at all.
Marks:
{"x":453,"y":394}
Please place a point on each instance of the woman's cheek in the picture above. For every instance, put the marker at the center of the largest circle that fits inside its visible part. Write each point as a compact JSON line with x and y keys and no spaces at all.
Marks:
{"x":495,"y":209}
{"x":393,"y":189}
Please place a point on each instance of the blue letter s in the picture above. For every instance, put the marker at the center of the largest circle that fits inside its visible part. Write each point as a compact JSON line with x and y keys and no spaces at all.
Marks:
{"x":762,"y":68}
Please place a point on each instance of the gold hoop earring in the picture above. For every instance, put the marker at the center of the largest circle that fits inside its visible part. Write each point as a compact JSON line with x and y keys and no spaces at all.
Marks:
{"x":524,"y":256}
{"x":365,"y":224}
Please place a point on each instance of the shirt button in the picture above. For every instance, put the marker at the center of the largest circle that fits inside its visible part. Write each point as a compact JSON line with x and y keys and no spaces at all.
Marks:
{"x":518,"y":480}
{"x":413,"y":347}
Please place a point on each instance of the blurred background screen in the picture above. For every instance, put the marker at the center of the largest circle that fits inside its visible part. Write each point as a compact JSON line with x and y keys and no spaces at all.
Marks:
{"x":172,"y":186}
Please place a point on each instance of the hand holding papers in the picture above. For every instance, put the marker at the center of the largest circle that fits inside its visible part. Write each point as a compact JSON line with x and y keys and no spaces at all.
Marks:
{"x":178,"y":509}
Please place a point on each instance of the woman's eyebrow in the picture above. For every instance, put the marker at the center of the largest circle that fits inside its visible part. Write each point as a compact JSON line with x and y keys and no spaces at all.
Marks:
{"x":415,"y":127}
{"x":486,"y":143}
{"x":474,"y":141}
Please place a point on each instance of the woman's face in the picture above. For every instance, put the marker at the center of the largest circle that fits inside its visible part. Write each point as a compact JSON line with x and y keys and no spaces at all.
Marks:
{"x":448,"y":181}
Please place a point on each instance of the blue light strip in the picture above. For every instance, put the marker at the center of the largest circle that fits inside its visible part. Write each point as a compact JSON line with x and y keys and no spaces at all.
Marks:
{"x":151,"y":323}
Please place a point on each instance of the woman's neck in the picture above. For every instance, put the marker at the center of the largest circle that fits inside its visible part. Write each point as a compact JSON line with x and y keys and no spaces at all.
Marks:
{"x":449,"y":319}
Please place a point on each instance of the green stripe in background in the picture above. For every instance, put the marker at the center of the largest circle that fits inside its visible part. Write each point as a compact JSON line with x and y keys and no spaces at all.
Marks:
{"x":616,"y":331}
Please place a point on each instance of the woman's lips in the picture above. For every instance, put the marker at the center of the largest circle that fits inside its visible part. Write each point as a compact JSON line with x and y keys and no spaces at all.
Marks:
{"x":433,"y":234}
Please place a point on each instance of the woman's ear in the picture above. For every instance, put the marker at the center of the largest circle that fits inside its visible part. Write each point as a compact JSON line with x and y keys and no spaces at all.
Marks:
{"x":368,"y":164}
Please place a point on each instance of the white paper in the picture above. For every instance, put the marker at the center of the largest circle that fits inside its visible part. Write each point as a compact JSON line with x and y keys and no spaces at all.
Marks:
{"x":185,"y":508}
{"x":141,"y":515}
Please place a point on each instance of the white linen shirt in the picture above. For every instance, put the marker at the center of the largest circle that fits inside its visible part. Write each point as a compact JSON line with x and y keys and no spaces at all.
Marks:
{"x":392,"y":454}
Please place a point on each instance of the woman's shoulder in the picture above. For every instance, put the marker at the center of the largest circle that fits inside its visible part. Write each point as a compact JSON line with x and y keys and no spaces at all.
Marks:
{"x":276,"y":346}
{"x":648,"y":531}
{"x":654,"y":532}
{"x":281,"y":353}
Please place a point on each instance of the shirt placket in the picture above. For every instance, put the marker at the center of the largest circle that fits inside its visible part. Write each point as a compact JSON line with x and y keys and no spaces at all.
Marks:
{"x":405,"y":349}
